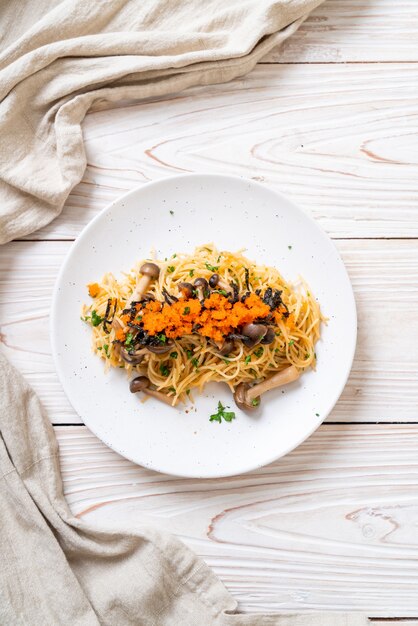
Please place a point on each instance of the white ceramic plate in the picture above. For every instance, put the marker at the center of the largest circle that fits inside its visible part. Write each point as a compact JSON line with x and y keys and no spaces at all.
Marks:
{"x":233,"y":213}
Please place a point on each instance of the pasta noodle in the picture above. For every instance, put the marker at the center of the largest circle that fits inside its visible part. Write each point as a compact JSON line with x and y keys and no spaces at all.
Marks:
{"x":190,"y":361}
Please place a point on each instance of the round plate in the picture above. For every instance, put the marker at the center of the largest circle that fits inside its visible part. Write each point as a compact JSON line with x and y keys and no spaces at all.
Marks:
{"x":175,"y":215}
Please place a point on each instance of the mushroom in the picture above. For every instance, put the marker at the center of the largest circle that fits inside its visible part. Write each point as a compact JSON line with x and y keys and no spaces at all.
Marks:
{"x":134,"y":357}
{"x":142,"y":383}
{"x":161,"y":348}
{"x":216,"y":282}
{"x":149,"y":271}
{"x":225,"y":347}
{"x":248,"y":398}
{"x":269,"y":336}
{"x":186,"y":290}
{"x":254,"y":333}
{"x":201,"y":285}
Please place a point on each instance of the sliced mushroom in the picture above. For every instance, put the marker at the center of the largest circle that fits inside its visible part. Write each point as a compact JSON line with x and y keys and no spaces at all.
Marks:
{"x":248,"y":398}
{"x":133,"y":358}
{"x":226,"y":347}
{"x":269,"y":336}
{"x":149,"y":272}
{"x":161,"y":348}
{"x":142,"y":383}
{"x":186,"y":290}
{"x":201,"y":285}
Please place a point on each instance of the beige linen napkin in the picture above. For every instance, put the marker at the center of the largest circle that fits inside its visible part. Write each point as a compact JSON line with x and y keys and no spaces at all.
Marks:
{"x":56,"y":59}
{"x":58,"y":570}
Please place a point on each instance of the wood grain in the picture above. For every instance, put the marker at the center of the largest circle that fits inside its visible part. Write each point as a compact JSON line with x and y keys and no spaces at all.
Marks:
{"x":340,"y":31}
{"x":340,"y":140}
{"x":330,"y":526}
{"x":383,"y":385}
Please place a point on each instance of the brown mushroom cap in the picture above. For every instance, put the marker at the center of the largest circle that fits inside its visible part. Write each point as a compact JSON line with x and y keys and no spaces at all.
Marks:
{"x":150,"y":269}
{"x":161,"y":348}
{"x":269,"y":336}
{"x":133,"y":358}
{"x":255,"y":332}
{"x":226,"y":347}
{"x":213,"y":280}
{"x":201,"y":282}
{"x":140,"y":383}
{"x":240,"y":397}
{"x":186,"y":289}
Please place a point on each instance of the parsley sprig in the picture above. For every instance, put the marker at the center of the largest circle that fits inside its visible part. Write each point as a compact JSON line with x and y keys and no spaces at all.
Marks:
{"x":228,"y":416}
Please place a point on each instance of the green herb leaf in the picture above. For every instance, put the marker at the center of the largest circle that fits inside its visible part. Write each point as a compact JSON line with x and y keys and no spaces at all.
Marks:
{"x":106,"y":349}
{"x":317,"y":414}
{"x":290,"y":247}
{"x":211,"y":268}
{"x":222,"y":292}
{"x":291,"y":342}
{"x":228,"y":416}
{"x":258,"y":352}
{"x":189,"y":354}
{"x":164,"y":369}
{"x":195,"y":362}
{"x":128,"y":340}
{"x":172,"y":389}
{"x":100,"y":348}
{"x":171,"y":212}
{"x":85,"y":319}
{"x":174,"y":355}
{"x":188,"y":391}
{"x":170,"y":269}
{"x":162,"y":338}
{"x":226,"y":361}
{"x":255,"y":402}
{"x":186,"y":310}
{"x":96,"y":319}
{"x":247,"y":359}
{"x":191,"y":272}
{"x":173,"y":256}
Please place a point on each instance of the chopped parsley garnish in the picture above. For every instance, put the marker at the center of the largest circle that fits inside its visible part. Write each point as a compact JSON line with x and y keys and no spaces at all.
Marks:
{"x":171,"y":212}
{"x":290,"y":247}
{"x":186,"y":310}
{"x":255,"y":402}
{"x":307,"y":355}
{"x":189,"y":354}
{"x":170,"y":269}
{"x":221,"y":413}
{"x":128,"y":340}
{"x":317,"y":414}
{"x":100,"y":348}
{"x":85,"y":319}
{"x":222,"y":292}
{"x":173,"y":256}
{"x":247,"y":359}
{"x":291,"y":342}
{"x":106,"y":349}
{"x":96,"y":319}
{"x":258,"y":352}
{"x":174,"y":355}
{"x":191,"y":272}
{"x":278,"y":333}
{"x":164,"y":370}
{"x":195,"y":362}
{"x":226,"y":361}
{"x":218,"y":259}
{"x":211,"y":268}
{"x":172,"y":389}
{"x":188,"y":391}
{"x":162,"y":338}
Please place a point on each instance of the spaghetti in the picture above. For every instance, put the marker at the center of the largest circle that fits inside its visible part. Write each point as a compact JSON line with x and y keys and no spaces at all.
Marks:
{"x":182,"y":322}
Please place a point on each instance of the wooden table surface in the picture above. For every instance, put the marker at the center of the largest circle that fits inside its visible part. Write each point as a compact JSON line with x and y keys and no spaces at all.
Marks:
{"x":330,"y":120}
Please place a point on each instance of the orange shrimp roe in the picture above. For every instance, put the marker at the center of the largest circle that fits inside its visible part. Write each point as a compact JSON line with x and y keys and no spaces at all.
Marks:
{"x":93,"y":289}
{"x":215,"y":321}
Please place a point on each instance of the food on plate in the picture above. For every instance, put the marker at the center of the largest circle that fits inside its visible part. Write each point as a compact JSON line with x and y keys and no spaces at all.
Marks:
{"x":179,"y":323}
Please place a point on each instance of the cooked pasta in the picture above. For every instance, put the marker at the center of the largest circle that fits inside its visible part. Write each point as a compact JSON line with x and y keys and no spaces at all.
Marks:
{"x":208,"y":316}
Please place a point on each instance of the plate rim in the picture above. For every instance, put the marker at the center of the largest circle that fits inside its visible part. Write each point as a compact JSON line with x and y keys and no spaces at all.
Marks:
{"x":155,"y":183}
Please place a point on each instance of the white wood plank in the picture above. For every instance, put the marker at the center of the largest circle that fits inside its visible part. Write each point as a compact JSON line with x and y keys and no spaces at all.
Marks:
{"x":330,"y":526}
{"x":337,"y":139}
{"x":354,"y":30}
{"x":382,"y":386}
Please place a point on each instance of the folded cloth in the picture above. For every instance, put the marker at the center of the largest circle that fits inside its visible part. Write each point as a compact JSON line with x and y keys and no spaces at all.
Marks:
{"x":58,"y":58}
{"x":58,"y":570}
